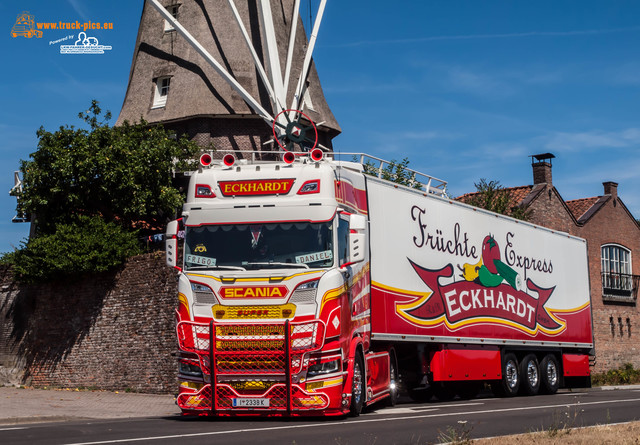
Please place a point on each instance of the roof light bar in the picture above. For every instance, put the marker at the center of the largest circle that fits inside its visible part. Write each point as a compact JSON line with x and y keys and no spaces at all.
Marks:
{"x":229,"y":160}
{"x":316,"y":154}
{"x":288,"y":157}
{"x":206,"y":160}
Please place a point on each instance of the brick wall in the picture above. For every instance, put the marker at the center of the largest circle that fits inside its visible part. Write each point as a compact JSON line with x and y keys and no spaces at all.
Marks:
{"x":616,"y":325}
{"x":112,"y":331}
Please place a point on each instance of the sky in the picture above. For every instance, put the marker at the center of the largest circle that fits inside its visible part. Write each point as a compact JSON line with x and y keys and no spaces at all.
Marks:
{"x":464,"y":89}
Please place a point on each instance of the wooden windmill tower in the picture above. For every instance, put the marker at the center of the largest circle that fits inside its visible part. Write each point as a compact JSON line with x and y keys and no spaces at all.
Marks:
{"x":224,"y":72}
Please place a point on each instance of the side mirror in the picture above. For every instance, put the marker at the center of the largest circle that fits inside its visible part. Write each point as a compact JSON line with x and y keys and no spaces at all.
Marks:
{"x":171,"y":244}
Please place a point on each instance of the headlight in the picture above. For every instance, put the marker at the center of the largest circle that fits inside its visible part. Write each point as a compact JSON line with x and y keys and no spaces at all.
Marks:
{"x":203,"y":294}
{"x":324,"y":368}
{"x":305,"y":292}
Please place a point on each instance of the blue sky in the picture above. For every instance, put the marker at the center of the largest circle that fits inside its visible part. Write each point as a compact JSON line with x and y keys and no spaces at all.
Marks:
{"x":465,"y":89}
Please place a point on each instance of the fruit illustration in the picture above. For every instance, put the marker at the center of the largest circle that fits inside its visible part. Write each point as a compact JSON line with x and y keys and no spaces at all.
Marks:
{"x":490,"y":253}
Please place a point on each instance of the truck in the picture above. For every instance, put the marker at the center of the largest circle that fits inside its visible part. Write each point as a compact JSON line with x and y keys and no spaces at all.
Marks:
{"x":319,"y":283}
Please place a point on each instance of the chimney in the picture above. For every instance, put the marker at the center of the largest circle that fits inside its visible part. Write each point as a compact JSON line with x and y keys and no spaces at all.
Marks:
{"x":611,"y":188}
{"x":541,"y":165}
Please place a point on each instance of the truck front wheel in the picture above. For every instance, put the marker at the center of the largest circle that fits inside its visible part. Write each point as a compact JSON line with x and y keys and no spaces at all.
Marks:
{"x":358,"y":389}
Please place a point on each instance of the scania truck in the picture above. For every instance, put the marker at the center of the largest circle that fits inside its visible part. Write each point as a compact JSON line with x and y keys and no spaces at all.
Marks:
{"x":310,"y":285}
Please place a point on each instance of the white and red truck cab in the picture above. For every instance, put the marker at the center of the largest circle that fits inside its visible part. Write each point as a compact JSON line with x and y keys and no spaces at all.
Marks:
{"x":306,"y":286}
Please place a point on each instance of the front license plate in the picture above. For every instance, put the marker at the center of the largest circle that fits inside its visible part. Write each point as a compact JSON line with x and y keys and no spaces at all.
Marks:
{"x":251,"y":403}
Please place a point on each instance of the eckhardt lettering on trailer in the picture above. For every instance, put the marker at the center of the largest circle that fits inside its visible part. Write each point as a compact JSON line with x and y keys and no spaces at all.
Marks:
{"x":252,"y":188}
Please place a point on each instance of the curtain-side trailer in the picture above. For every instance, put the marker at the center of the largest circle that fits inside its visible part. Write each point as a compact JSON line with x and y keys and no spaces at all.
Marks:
{"x":309,"y":287}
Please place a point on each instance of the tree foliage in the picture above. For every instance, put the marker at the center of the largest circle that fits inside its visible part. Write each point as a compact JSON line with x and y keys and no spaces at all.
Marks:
{"x":492,"y":196}
{"x":394,"y":171}
{"x":122,"y":173}
{"x":89,"y":190}
{"x":87,"y":245}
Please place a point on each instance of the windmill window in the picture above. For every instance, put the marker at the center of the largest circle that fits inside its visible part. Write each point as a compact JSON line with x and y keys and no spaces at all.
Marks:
{"x":161,"y":92}
{"x":173,"y":10}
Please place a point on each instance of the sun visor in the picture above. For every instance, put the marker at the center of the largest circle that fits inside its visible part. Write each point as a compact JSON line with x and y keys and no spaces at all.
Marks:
{"x":195,"y":215}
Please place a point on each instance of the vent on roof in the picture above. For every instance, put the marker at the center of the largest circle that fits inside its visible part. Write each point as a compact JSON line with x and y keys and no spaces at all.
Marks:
{"x":542,"y":168}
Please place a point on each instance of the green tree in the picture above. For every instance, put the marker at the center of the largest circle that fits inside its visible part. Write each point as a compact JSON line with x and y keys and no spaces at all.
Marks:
{"x":103,"y":183}
{"x":394,"y":171}
{"x":492,"y":196}
{"x":122,"y":174}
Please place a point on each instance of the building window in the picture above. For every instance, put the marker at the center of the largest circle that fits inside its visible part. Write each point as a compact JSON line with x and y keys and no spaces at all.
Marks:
{"x":618,"y":284}
{"x":161,"y":92}
{"x":173,"y":10}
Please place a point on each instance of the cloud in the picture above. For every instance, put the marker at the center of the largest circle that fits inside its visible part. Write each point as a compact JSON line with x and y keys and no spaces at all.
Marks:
{"x":585,"y":32}
{"x":571,"y":142}
{"x":476,"y":83}
{"x":78,"y":7}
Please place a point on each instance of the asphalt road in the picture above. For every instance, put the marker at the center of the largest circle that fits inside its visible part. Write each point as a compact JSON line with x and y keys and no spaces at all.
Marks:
{"x":407,"y":423}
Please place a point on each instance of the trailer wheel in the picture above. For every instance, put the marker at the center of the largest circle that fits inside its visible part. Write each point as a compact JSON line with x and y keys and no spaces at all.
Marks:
{"x":393,"y":380}
{"x":530,"y":373}
{"x":358,"y":387}
{"x":549,"y":374}
{"x":510,"y":383}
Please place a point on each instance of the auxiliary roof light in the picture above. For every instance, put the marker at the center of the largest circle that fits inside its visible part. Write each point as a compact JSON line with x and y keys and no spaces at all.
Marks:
{"x":229,"y":159}
{"x":205,"y":160}
{"x":316,"y":154}
{"x":288,"y":157}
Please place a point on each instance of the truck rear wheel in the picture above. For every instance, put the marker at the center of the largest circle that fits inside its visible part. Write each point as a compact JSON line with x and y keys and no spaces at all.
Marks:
{"x":530,"y":373}
{"x":510,"y":383}
{"x":549,"y":374}
{"x":358,"y":388}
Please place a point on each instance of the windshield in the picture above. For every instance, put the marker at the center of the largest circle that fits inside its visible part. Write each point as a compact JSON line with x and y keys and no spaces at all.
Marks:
{"x":259,"y":246}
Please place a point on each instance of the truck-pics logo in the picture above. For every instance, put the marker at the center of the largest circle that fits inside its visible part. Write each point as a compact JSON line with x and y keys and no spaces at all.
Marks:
{"x":25,"y":26}
{"x":490,"y":292}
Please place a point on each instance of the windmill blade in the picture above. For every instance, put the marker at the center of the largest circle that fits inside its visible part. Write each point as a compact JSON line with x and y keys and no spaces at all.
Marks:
{"x":253,"y":103}
{"x":298,"y":98}
{"x":272,"y":56}
{"x":292,"y":40}
{"x":254,"y":55}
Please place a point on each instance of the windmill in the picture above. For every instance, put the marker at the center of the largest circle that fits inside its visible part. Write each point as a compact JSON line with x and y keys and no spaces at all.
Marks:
{"x":255,"y":60}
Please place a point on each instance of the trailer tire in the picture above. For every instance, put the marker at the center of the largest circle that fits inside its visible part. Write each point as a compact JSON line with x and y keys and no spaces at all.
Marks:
{"x":394,"y":384}
{"x":549,"y":374}
{"x":509,"y":385}
{"x":358,"y":386}
{"x":530,"y":375}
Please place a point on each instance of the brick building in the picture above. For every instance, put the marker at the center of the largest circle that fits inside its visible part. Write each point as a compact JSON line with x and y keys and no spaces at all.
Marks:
{"x":613,"y":243}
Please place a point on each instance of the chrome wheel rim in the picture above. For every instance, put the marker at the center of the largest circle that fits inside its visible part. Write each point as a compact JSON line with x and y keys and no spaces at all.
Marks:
{"x":357,"y":382}
{"x":511,"y":374}
{"x":552,"y":373}
{"x":532,"y":373}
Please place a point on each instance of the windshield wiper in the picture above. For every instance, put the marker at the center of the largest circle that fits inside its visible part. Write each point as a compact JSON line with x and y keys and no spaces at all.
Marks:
{"x":270,"y":263}
{"x":216,"y":267}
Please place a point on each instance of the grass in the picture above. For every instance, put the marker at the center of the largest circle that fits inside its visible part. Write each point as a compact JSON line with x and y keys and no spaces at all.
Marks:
{"x":620,"y":434}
